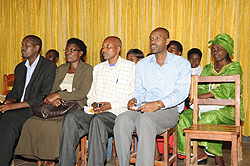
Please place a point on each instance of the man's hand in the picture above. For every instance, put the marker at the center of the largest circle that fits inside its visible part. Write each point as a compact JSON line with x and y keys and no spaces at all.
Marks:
{"x":6,"y":107}
{"x":51,"y":98}
{"x":131,"y":104}
{"x":12,"y":106}
{"x":9,"y":100}
{"x":151,"y":107}
{"x":105,"y":106}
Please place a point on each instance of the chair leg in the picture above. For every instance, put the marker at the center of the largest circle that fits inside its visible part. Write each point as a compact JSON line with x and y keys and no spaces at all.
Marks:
{"x":39,"y":163}
{"x":175,"y":147}
{"x":116,"y":162}
{"x":83,"y":154}
{"x":188,"y":149}
{"x":234,"y":152}
{"x":166,"y":149}
{"x":240,"y":142}
{"x":114,"y":151}
{"x":195,"y":152}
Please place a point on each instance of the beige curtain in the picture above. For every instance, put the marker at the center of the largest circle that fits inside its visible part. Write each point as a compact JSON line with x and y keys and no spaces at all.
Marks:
{"x":192,"y":22}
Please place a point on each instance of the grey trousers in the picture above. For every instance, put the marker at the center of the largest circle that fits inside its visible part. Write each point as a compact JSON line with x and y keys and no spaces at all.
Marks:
{"x":147,"y":126}
{"x":101,"y":126}
{"x":75,"y":126}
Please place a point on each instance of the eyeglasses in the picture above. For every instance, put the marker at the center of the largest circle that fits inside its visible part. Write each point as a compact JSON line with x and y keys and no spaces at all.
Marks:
{"x":71,"y":50}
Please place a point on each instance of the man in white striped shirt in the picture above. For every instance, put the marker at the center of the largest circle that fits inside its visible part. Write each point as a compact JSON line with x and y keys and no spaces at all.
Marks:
{"x":111,"y":89}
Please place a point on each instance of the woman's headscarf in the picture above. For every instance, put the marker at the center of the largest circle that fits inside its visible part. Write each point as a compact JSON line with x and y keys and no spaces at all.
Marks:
{"x":225,"y":41}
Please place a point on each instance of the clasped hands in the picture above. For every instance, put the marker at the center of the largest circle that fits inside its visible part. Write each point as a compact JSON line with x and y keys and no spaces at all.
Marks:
{"x":148,"y":107}
{"x":105,"y":106}
{"x":54,"y":99}
{"x":8,"y":104}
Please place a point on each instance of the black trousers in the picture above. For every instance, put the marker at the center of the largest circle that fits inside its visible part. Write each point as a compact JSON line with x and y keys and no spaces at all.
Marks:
{"x":11,"y":123}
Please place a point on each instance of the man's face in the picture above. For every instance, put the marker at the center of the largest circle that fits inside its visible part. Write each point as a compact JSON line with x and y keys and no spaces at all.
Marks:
{"x":51,"y":55}
{"x":195,"y":60}
{"x":174,"y":49}
{"x":28,"y":50}
{"x":158,"y":41}
{"x":110,"y":48}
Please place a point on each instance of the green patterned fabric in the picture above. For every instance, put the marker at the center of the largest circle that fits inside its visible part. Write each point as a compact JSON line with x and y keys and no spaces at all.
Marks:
{"x":225,"y":115}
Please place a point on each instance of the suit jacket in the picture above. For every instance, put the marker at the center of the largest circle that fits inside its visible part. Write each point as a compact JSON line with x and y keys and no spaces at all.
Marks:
{"x":40,"y":83}
{"x":81,"y":83}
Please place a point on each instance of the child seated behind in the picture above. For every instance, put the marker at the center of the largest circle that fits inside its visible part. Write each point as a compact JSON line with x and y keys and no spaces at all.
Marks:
{"x":175,"y":47}
{"x":194,"y":57}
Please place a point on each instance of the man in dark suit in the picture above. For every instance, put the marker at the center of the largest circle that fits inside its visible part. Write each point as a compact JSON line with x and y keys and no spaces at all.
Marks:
{"x":33,"y":80}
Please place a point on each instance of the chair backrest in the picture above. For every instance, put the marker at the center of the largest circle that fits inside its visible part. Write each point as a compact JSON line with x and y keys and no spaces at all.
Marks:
{"x":8,"y":81}
{"x":211,"y":79}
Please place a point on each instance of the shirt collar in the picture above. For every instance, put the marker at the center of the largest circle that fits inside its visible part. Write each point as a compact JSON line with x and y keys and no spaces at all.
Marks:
{"x":168,"y":59}
{"x":116,"y":64}
{"x":27,"y":63}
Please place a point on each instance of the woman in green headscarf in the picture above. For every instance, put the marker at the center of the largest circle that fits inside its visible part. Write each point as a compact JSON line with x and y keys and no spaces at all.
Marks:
{"x":221,"y":50}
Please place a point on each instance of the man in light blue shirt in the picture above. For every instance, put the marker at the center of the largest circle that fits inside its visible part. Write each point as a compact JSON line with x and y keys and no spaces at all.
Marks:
{"x":161,"y":86}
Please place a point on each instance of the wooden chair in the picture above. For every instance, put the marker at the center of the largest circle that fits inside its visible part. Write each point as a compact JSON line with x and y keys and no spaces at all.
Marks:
{"x":8,"y":81}
{"x":214,"y":132}
{"x":167,"y":160}
{"x":83,"y":154}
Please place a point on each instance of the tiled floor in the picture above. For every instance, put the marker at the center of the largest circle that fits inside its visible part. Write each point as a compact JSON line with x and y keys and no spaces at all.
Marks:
{"x":226,"y":153}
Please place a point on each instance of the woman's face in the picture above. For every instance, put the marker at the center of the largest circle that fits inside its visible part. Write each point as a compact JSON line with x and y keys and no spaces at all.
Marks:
{"x":133,"y":58}
{"x":218,"y":52}
{"x":73,"y":53}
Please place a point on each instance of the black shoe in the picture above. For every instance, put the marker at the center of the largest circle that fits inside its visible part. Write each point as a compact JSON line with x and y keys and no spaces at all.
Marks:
{"x":202,"y":162}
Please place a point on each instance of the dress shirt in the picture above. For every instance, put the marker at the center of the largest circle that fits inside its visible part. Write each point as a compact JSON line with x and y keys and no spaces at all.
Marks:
{"x":113,"y":84}
{"x":169,"y":83}
{"x":29,"y":72}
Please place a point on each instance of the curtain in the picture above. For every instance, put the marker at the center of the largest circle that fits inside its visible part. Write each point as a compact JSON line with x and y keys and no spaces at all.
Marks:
{"x":192,"y":22}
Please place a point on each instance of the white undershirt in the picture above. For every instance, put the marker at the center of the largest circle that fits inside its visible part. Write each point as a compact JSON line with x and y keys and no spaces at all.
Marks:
{"x":29,"y":72}
{"x":67,"y":82}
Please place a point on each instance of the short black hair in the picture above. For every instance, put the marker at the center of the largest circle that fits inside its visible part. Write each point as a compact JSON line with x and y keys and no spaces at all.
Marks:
{"x":56,"y":52}
{"x":138,"y":53}
{"x":80,"y":44}
{"x":164,"y":29}
{"x":178,"y":45}
{"x":119,"y":41}
{"x":35,"y":40}
{"x":194,"y":51}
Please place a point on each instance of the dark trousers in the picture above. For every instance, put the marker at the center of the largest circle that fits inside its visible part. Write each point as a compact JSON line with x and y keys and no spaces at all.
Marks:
{"x":100,"y":127}
{"x":77,"y":124}
{"x":11,"y":123}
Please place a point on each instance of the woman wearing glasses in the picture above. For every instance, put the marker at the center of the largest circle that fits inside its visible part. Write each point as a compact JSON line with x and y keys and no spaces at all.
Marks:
{"x":41,"y":138}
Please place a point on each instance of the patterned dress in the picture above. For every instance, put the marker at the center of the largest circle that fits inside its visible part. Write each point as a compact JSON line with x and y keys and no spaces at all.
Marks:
{"x":225,"y":115}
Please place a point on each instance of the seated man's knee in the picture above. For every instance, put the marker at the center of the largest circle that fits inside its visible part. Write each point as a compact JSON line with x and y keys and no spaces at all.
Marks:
{"x":70,"y":116}
{"x":122,"y":120}
{"x":144,"y":121}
